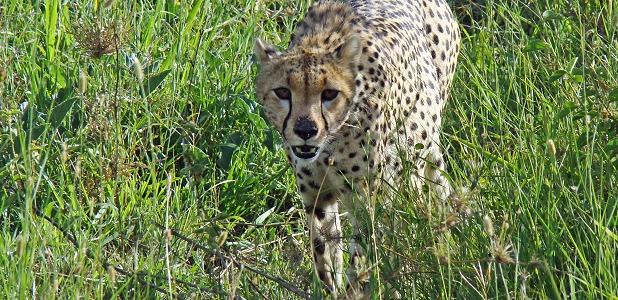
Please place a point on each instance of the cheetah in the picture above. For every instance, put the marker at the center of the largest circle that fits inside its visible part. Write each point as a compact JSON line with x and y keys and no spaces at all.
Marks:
{"x":360,"y":81}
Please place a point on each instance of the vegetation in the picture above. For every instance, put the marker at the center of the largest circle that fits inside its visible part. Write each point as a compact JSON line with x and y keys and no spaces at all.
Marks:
{"x":135,"y":162}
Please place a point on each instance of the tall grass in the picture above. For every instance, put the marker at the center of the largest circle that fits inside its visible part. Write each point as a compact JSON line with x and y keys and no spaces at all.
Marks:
{"x":135,"y":162}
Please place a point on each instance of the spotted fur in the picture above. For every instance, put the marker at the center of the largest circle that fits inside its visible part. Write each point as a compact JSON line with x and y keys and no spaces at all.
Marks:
{"x":359,"y":82}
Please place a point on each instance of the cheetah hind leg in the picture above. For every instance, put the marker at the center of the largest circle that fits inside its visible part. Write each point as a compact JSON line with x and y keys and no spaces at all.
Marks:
{"x":357,"y":286}
{"x":434,"y":175}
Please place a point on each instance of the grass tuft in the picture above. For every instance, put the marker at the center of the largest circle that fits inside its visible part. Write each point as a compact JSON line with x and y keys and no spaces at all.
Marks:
{"x":163,"y":179}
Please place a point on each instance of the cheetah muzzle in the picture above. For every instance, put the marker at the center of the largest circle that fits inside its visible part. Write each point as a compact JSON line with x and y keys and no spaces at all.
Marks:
{"x":360,"y":86}
{"x":305,"y":151}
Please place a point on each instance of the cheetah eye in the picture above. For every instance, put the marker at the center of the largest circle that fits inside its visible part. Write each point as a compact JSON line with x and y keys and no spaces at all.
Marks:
{"x":283,"y":93}
{"x":329,"y":95}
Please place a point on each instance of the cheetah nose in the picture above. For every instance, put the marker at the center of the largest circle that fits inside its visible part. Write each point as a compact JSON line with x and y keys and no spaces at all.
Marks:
{"x":305,"y":128}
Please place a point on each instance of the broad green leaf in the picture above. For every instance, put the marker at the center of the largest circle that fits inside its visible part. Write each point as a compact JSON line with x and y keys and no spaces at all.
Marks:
{"x":556,"y":75}
{"x":227,"y":150}
{"x":550,"y":15}
{"x":59,"y":112}
{"x":269,"y":141}
{"x":535,"y":45}
{"x":566,"y":109}
{"x":153,"y":82}
{"x":582,"y":140}
{"x":578,"y":71}
{"x":572,"y":64}
{"x":34,"y":133}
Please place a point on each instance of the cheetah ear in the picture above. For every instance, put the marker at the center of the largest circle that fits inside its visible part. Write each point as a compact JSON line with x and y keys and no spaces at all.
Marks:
{"x":349,"y":51}
{"x":264,"y":51}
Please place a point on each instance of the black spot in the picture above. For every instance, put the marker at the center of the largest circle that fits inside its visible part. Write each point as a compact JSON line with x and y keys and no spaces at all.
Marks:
{"x":352,"y":154}
{"x":314,"y":185}
{"x":322,"y":275}
{"x":302,"y":188}
{"x":355,"y":168}
{"x":434,"y":117}
{"x":349,"y":185}
{"x":327,"y":197}
{"x":306,"y":171}
{"x":436,"y":40}
{"x":422,"y":115}
{"x":316,"y":211}
{"x":414,"y":126}
{"x":299,"y":176}
{"x":319,"y":246}
{"x":424,"y":134}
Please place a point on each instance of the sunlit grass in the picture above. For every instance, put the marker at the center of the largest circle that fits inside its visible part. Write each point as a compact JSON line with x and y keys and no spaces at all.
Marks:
{"x":93,"y":171}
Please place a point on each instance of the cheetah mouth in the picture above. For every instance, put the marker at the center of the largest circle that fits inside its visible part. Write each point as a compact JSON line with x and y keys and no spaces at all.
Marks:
{"x":305,"y":151}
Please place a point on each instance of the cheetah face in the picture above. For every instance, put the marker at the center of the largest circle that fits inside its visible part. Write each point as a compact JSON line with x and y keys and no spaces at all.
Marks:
{"x":307,"y":95}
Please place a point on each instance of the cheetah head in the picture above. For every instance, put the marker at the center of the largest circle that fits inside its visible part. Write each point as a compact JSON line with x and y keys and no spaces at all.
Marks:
{"x":307,"y":93}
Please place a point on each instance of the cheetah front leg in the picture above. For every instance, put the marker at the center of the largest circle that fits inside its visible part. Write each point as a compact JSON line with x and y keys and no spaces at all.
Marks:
{"x":357,"y":270}
{"x":325,"y":235}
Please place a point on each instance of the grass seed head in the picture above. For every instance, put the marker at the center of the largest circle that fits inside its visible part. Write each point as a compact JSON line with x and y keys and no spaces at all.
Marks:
{"x":167,"y":235}
{"x":111,"y":273}
{"x":502,"y":254}
{"x":21,"y":245}
{"x":137,"y":68}
{"x":109,"y":3}
{"x":82,"y":81}
{"x":97,"y":37}
{"x":489,"y":225}
{"x":536,"y":263}
{"x":552,"y":147}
